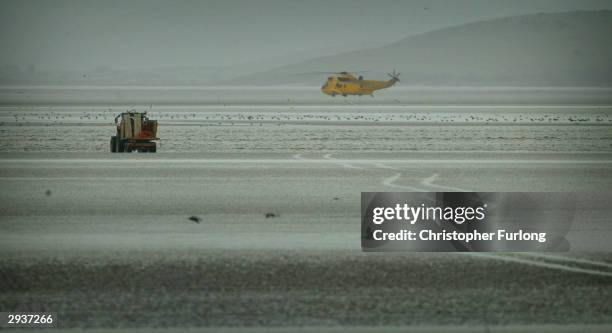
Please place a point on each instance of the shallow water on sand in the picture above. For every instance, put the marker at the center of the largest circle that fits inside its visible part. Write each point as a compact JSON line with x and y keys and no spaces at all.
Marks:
{"x":314,"y":138}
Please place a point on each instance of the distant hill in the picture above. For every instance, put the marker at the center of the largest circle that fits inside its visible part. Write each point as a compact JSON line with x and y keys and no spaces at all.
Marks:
{"x":547,"y":49}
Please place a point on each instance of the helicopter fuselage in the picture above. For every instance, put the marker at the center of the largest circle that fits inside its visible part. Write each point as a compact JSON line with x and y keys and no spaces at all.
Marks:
{"x":349,"y":85}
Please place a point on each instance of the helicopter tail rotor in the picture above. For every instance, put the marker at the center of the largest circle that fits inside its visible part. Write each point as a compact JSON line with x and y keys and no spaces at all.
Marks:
{"x":394,"y":75}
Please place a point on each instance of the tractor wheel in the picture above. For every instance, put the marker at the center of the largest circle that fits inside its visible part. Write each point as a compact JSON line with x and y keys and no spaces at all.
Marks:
{"x":120,"y":146}
{"x":154,"y":148}
{"x":113,"y":144}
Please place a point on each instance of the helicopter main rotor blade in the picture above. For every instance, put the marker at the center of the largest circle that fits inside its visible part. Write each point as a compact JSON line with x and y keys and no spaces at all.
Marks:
{"x":342,"y":72}
{"x":314,"y":73}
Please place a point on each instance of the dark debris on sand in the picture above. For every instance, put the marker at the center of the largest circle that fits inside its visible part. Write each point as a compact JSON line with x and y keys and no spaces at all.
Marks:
{"x":195,"y":219}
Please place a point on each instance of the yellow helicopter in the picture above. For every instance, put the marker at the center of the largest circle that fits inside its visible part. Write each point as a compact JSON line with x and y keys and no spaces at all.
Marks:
{"x":346,"y":83}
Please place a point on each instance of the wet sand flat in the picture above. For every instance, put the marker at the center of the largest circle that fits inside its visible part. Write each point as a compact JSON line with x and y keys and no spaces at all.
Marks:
{"x":106,"y":239}
{"x":134,"y":259}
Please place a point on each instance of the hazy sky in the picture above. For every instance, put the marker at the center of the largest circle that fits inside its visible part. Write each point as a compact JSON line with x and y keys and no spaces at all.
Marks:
{"x":81,"y":34}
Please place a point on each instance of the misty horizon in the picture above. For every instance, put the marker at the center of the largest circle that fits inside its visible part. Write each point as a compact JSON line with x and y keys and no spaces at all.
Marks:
{"x":131,"y":35}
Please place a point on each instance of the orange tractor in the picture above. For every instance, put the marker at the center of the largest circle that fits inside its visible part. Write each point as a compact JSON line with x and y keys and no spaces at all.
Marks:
{"x":135,"y":132}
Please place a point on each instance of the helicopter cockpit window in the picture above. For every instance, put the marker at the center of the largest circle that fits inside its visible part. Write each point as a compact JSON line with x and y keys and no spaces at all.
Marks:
{"x":343,"y":79}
